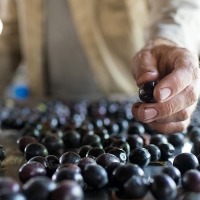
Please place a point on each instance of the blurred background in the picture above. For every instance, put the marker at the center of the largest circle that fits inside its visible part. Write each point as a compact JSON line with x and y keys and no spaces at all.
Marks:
{"x":69,"y":48}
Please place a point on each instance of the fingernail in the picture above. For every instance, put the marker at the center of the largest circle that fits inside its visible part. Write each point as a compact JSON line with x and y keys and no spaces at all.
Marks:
{"x":150,"y":113}
{"x":164,"y":93}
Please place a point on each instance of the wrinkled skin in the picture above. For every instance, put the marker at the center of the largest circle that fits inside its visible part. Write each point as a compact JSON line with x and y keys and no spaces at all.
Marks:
{"x":176,"y":93}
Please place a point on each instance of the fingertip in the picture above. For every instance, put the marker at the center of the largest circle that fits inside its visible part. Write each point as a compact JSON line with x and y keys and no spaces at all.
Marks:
{"x":147,"y":76}
{"x":162,"y":94}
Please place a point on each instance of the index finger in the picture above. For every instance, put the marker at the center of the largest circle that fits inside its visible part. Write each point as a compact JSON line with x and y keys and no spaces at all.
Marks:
{"x":144,"y":67}
{"x":186,"y":70}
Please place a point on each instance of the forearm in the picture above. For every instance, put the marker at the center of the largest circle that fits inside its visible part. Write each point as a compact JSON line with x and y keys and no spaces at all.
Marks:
{"x":177,"y":21}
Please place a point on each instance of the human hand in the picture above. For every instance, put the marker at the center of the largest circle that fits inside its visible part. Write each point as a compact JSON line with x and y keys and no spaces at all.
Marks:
{"x":176,"y":93}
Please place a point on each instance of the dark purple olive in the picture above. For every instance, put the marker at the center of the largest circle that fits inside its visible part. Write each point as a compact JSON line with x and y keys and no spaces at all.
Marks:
{"x":119,"y":153}
{"x":112,"y":127}
{"x":122,"y":173}
{"x":6,"y":195}
{"x":95,"y":176}
{"x":90,"y":138}
{"x":176,"y":139}
{"x":9,"y":184}
{"x":157,"y":139}
{"x":122,"y":123}
{"x":173,"y":172}
{"x":68,"y":174}
{"x":38,"y":188}
{"x":102,"y":133}
{"x":108,"y":148}
{"x":154,"y":151}
{"x":24,"y":141}
{"x":71,"y":166}
{"x":69,"y":157}
{"x":163,"y":187}
{"x":33,"y":132}
{"x":111,"y":167}
{"x":140,"y":156}
{"x":2,"y":153}
{"x":82,"y":151}
{"x":167,"y":151}
{"x":109,"y":141}
{"x":84,"y":162}
{"x":52,"y":164}
{"x":35,"y":149}
{"x":106,"y":158}
{"x":191,"y":180}
{"x":42,"y":160}
{"x":185,"y":161}
{"x":53,"y":143}
{"x":95,"y":152}
{"x":30,"y":170}
{"x":122,"y":145}
{"x":196,"y":147}
{"x":136,"y":128}
{"x":136,"y":187}
{"x":194,"y":134}
{"x":96,"y":144}
{"x":52,"y":160}
{"x":146,"y":92}
{"x":72,"y":139}
{"x":67,"y":189}
{"x":135,"y":141}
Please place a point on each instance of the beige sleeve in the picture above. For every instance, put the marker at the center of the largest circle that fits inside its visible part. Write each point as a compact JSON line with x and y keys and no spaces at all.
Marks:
{"x":177,"y":21}
{"x":9,"y":43}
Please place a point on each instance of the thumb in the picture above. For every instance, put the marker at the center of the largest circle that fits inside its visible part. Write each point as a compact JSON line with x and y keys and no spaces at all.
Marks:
{"x":144,"y":67}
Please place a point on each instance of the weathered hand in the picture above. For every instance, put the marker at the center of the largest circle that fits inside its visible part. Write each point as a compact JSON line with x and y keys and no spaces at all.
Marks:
{"x":176,"y":93}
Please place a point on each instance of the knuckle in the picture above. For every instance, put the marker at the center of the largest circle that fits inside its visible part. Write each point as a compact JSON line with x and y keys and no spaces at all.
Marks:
{"x":184,"y":115}
{"x":192,"y":93}
{"x":169,"y":109}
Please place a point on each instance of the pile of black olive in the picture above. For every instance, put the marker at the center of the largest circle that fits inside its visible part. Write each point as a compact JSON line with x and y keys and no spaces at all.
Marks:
{"x":71,"y":148}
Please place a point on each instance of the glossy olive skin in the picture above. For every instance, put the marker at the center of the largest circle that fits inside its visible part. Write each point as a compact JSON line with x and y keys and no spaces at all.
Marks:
{"x":29,"y":170}
{"x":95,"y":152}
{"x":99,"y":176}
{"x":176,"y":139}
{"x":9,"y":184}
{"x":67,"y":190}
{"x":191,"y":180}
{"x":84,"y":162}
{"x":163,"y":187}
{"x":38,"y":188}
{"x":68,"y":174}
{"x":157,"y":139}
{"x":136,"y":128}
{"x":185,"y":161}
{"x":135,"y":141}
{"x":23,"y":141}
{"x":136,"y":187}
{"x":122,"y":173}
{"x":154,"y":151}
{"x":72,"y":139}
{"x":106,"y":158}
{"x":140,"y":156}
{"x":173,"y":172}
{"x":69,"y":157}
{"x":146,"y":92}
{"x":35,"y":149}
{"x":119,"y":153}
{"x":110,"y":168}
{"x":167,"y":151}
